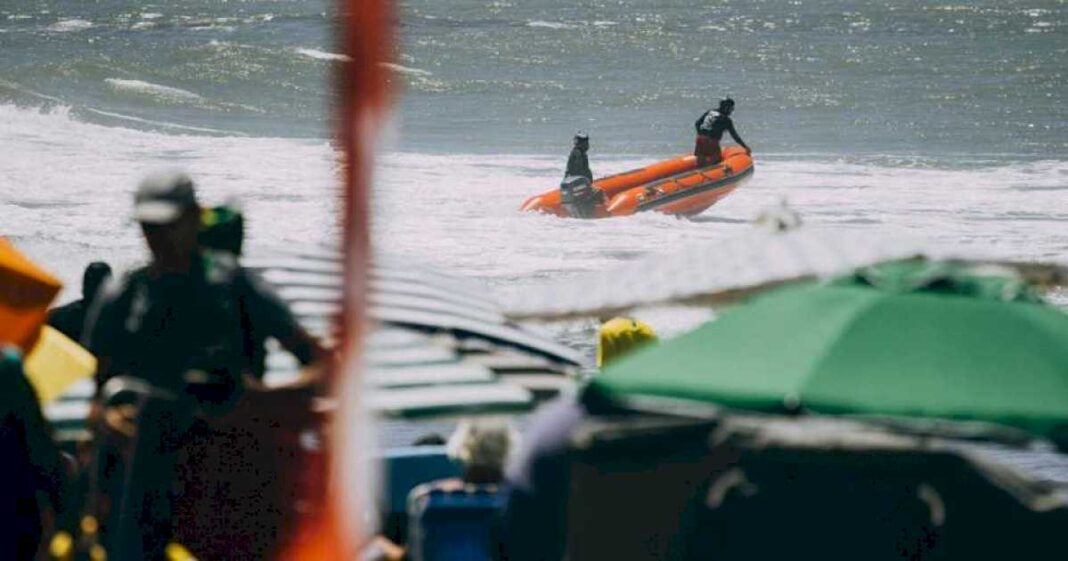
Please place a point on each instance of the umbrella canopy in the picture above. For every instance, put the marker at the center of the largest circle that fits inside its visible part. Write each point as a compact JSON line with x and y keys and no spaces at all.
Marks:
{"x":908,"y":339}
{"x":25,"y":293}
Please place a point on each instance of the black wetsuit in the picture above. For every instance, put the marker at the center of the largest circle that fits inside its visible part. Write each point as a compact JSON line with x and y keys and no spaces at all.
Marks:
{"x":710,"y":127}
{"x":576,"y":190}
{"x":715,"y":127}
{"x":578,"y":164}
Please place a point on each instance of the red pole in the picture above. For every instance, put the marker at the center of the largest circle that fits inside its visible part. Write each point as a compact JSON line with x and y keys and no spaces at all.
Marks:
{"x":362,"y":83}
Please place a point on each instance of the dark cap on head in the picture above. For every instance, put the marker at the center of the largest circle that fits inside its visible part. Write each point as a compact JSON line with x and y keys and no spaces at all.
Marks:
{"x":163,"y":197}
{"x":726,"y":103}
{"x":96,"y":274}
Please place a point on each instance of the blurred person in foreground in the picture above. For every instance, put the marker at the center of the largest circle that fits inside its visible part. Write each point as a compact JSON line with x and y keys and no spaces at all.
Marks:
{"x":69,"y":319}
{"x":186,"y":330}
{"x":35,"y":475}
{"x":534,"y":523}
{"x":189,"y":309}
{"x":482,"y":447}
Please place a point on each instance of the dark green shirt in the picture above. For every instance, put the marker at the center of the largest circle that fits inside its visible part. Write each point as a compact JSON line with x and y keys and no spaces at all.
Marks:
{"x":159,"y":326}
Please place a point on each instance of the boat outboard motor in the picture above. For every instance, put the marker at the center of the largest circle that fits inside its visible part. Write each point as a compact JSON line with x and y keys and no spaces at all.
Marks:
{"x":578,"y":196}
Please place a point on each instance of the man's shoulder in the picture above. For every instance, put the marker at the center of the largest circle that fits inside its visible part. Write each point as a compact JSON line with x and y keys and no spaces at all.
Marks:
{"x":66,"y":309}
{"x":133,"y":276}
{"x":117,"y":286}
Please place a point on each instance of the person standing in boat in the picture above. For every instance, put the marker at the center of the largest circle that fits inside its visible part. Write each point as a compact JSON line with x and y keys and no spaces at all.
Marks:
{"x":576,"y":190}
{"x":710,"y":127}
{"x":578,"y":163}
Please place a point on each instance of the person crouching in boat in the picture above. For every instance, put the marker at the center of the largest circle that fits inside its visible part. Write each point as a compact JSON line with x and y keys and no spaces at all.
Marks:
{"x":710,"y":127}
{"x":577,"y":194}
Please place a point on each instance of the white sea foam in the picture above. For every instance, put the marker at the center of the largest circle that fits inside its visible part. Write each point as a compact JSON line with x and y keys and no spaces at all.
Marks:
{"x":321,"y":55}
{"x":151,"y":15}
{"x":407,"y":69}
{"x":551,"y":24}
{"x":28,"y":91}
{"x":460,"y":212}
{"x":160,"y":124}
{"x":155,"y":90}
{"x":68,"y":25}
{"x":66,"y":186}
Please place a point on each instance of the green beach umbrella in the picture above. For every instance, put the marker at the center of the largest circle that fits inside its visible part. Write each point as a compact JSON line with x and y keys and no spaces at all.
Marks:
{"x":906,"y":339}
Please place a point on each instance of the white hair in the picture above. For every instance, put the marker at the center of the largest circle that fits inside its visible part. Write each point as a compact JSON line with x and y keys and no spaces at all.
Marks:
{"x":483,"y":442}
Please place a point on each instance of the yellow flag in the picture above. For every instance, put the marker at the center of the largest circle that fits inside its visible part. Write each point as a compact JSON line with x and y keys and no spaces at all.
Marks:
{"x":55,"y":363}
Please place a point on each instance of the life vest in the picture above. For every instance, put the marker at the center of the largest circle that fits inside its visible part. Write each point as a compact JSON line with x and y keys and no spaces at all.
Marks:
{"x":709,"y":120}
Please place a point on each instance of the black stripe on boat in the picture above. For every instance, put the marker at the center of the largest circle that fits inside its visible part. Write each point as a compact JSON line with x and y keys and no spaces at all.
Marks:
{"x":679,"y":195}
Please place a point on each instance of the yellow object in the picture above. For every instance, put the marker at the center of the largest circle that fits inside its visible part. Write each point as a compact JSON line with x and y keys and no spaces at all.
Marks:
{"x":25,"y":293}
{"x":620,"y":336}
{"x":97,"y":553}
{"x":175,"y":552}
{"x":89,"y":525}
{"x":61,"y":548}
{"x":55,"y":363}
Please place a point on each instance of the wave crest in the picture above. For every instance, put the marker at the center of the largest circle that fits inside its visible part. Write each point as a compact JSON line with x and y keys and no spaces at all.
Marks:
{"x":68,"y":25}
{"x":154,"y":90}
{"x":406,"y":69}
{"x":322,"y":55}
{"x":551,"y":24}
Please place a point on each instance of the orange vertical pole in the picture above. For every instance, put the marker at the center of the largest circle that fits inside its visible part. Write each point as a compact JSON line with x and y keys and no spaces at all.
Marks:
{"x":362,"y":85}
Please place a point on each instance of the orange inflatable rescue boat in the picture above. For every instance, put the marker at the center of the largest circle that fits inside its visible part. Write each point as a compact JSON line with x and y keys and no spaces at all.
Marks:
{"x":676,"y":186}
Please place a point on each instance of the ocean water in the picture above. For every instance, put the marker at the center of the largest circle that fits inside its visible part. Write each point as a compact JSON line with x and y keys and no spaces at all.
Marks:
{"x":940,"y":119}
{"x":943,"y":119}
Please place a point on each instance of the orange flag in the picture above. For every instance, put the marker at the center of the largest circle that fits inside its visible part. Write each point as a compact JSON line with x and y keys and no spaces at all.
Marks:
{"x":25,"y":294}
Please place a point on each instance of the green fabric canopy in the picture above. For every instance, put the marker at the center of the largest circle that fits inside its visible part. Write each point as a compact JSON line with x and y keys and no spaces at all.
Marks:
{"x":899,"y":340}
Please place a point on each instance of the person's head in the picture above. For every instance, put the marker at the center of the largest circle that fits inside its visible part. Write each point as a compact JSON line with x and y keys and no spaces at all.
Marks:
{"x":165,"y":205}
{"x":582,"y":140}
{"x":726,"y":106}
{"x":95,"y":275}
{"x":620,"y":336}
{"x":483,"y":447}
